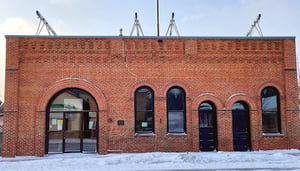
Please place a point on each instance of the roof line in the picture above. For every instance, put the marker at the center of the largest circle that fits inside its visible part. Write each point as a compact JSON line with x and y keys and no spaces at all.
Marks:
{"x":151,"y":37}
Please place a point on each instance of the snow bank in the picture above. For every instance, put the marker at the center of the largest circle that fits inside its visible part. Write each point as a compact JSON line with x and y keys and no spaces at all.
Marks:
{"x":261,"y":160}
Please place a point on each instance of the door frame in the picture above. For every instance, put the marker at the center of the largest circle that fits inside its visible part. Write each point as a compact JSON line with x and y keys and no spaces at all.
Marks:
{"x":214,"y":122}
{"x":64,"y":129}
{"x":245,"y":111}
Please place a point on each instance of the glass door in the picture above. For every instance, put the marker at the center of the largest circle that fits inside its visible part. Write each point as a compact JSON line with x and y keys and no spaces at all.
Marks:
{"x":55,"y":129}
{"x":71,"y":122}
{"x":89,"y":132}
{"x":72,"y":132}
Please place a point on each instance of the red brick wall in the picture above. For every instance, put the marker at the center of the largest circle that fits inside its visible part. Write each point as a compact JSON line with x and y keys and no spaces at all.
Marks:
{"x":222,"y":70}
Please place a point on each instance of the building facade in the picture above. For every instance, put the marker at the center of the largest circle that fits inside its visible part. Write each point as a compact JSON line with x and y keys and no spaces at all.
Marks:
{"x":144,"y":94}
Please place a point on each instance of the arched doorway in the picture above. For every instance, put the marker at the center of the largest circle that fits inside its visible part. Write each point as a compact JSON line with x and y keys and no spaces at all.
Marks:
{"x":241,"y":127}
{"x":71,"y":122}
{"x":207,"y":127}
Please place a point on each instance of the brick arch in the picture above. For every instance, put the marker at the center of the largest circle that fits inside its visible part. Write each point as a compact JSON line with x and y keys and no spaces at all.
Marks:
{"x":135,"y":86}
{"x":176,"y":84}
{"x":59,"y":85}
{"x":71,"y":83}
{"x":240,"y":97}
{"x":207,"y":97}
{"x":269,"y":84}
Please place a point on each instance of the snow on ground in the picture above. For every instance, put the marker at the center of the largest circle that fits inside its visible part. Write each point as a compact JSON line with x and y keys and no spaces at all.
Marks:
{"x":257,"y":160}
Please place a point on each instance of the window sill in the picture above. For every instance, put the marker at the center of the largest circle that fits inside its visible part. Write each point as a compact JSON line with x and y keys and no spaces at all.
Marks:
{"x":177,"y":134}
{"x":144,"y":134}
{"x":273,"y":135}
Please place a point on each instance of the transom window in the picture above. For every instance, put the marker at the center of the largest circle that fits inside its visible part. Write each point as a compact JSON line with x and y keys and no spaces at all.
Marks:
{"x":73,"y":100}
{"x":144,"y":110}
{"x":270,"y":106}
{"x":239,"y":106}
{"x":176,"y":110}
{"x":207,"y":112}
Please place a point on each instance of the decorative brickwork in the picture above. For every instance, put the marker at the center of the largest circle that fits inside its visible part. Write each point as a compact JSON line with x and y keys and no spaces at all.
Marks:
{"x":220,"y":70}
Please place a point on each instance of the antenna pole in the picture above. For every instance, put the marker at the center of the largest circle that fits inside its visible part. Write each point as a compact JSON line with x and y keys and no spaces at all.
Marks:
{"x":136,"y":25}
{"x":256,"y":26}
{"x":45,"y":23}
{"x":171,"y":26}
{"x":157,"y":10}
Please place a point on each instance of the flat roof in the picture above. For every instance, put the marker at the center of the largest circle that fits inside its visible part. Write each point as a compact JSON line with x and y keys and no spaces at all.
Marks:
{"x":151,"y":37}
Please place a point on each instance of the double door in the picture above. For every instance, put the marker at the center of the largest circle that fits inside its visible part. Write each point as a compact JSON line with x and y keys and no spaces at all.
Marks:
{"x":72,"y":132}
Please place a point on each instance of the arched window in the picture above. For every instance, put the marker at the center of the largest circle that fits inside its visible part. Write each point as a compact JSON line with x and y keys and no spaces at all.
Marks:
{"x":270,"y":106}
{"x":144,"y":110}
{"x":176,"y":110}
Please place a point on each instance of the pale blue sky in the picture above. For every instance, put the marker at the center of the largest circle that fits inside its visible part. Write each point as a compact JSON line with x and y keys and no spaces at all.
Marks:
{"x":106,"y":17}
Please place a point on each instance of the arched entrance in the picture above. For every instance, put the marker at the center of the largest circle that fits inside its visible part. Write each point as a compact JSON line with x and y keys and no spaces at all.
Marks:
{"x":241,"y":127}
{"x":71,"y":122}
{"x":207,"y":127}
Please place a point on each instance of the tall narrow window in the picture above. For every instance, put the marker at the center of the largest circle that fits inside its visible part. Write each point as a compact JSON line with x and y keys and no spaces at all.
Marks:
{"x":144,"y":110}
{"x":270,"y":105}
{"x":176,"y":110}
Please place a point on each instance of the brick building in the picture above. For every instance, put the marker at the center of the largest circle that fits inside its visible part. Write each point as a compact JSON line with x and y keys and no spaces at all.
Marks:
{"x":144,"y":94}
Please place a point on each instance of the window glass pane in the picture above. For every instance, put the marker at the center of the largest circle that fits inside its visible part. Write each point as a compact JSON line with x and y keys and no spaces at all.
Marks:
{"x":239,"y":106}
{"x":269,"y":103}
{"x":205,"y":106}
{"x":144,"y":110}
{"x":269,"y":99}
{"x":206,"y":118}
{"x":144,"y":99}
{"x":73,"y":100}
{"x":55,"y":132}
{"x":176,"y":99}
{"x":144,"y":121}
{"x":269,"y":91}
{"x":72,"y":129}
{"x":89,"y":131}
{"x":176,"y":122}
{"x":206,"y":114}
{"x":270,"y":122}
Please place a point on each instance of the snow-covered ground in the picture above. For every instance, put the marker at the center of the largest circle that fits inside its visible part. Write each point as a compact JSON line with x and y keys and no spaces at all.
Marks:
{"x":257,"y":160}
